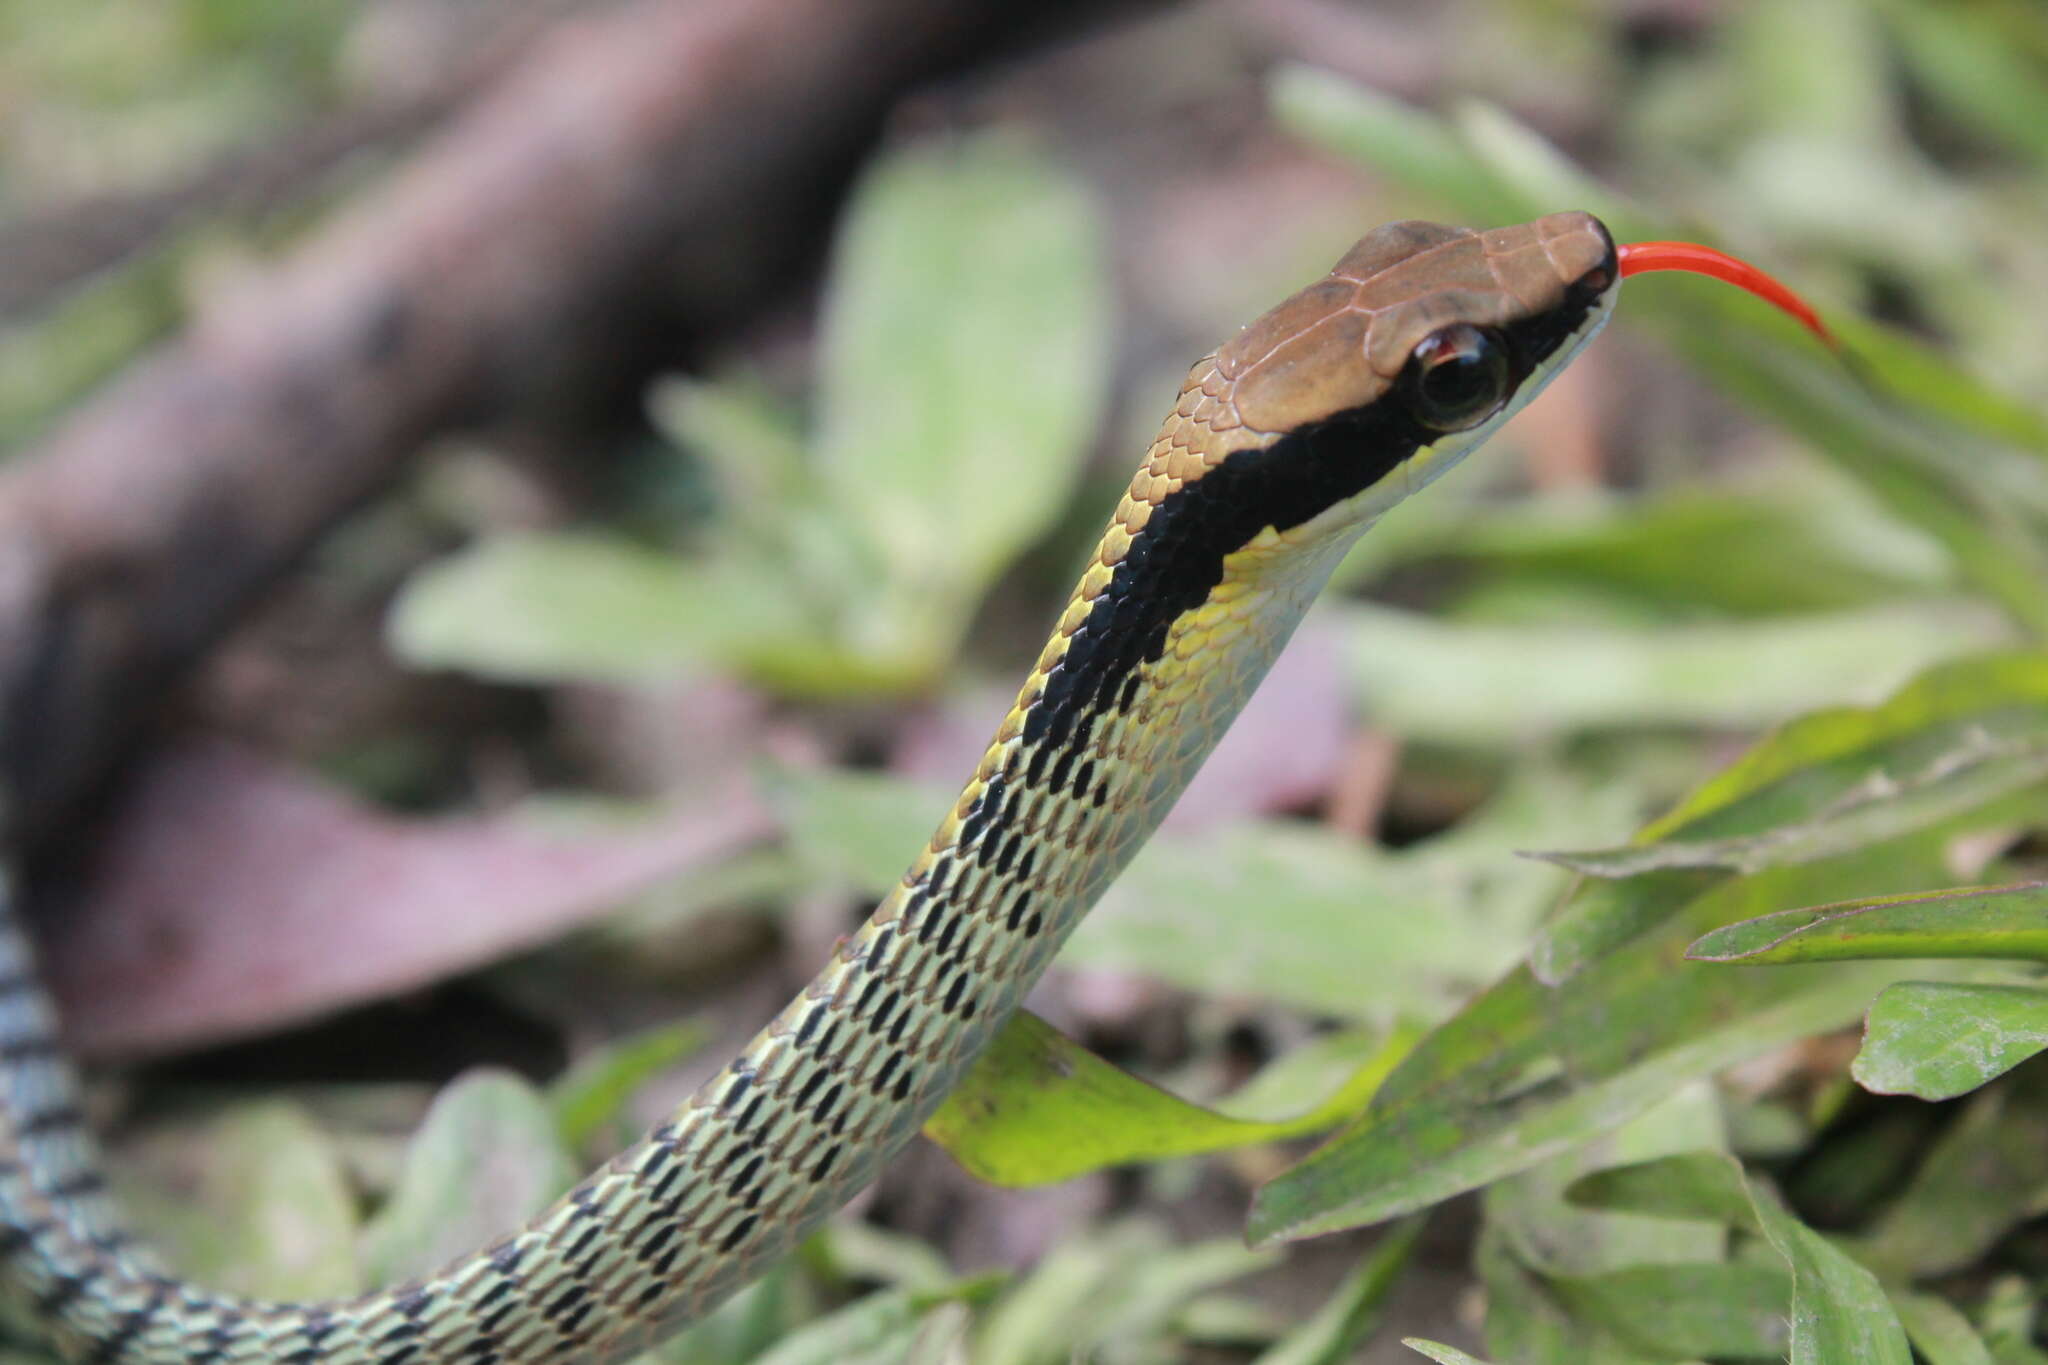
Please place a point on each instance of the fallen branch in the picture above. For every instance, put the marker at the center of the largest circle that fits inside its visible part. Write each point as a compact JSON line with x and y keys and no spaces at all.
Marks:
{"x":679,"y":150}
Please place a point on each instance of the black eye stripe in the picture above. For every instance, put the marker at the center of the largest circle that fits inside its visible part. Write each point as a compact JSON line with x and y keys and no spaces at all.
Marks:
{"x":1173,"y":563}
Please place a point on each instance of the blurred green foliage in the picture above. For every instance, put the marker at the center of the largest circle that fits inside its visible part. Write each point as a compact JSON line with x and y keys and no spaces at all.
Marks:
{"x":123,"y":102}
{"x":126,"y":94}
{"x":964,"y":348}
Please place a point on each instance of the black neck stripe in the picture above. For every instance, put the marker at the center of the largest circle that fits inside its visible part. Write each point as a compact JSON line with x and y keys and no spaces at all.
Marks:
{"x":1176,"y":560}
{"x":1174,"y":563}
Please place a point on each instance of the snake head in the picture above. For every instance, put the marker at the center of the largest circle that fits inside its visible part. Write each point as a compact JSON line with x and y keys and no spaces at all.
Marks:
{"x":1494,"y":306}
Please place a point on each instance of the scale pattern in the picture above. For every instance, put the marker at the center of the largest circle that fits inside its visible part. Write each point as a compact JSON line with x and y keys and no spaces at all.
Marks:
{"x":1277,"y":455}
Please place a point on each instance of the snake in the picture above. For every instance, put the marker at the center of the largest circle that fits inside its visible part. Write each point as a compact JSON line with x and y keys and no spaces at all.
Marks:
{"x":1286,"y":443}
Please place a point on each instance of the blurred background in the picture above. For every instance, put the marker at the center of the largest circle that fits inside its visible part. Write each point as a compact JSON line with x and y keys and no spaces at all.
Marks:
{"x":517,"y":517}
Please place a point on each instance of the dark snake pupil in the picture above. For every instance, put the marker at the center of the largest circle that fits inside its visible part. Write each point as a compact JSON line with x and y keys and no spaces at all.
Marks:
{"x":1460,"y":377}
{"x":1459,"y":383}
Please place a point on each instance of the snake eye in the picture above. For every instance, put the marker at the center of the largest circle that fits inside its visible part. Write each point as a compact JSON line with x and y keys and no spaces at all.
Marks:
{"x":1457,"y":377}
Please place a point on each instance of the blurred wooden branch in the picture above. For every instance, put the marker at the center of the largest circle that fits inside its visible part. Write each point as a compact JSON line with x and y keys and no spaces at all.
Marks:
{"x":684,"y":152}
{"x":47,"y":253}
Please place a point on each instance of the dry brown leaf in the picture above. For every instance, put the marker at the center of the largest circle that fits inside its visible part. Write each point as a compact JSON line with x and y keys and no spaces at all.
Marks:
{"x":234,"y":895}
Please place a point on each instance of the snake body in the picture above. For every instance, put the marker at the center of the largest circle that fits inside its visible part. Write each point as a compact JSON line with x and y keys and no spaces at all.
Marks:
{"x":1285,"y":444}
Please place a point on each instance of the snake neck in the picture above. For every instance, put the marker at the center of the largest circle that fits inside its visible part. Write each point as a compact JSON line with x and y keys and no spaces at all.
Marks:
{"x":1122,"y":707}
{"x":1104,"y":736}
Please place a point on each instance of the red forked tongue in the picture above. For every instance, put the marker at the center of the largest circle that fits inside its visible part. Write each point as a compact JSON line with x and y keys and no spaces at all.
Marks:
{"x":1639,"y":258}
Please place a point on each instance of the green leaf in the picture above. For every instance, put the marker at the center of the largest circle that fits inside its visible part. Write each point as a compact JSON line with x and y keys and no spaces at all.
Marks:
{"x":1407,"y":144}
{"x":862,"y":1251}
{"x":1535,"y":1240}
{"x":1924,"y":377}
{"x":1939,"y":1333}
{"x":752,"y":443}
{"x":1525,"y":1323}
{"x":2007,"y":1320}
{"x":1986,"y":1172}
{"x":771,"y":523}
{"x":488,"y":1155}
{"x":1534,"y":167}
{"x":965,"y":347}
{"x":1342,"y":929}
{"x":1092,"y":1293}
{"x":1845,"y":100}
{"x":747,"y":1325}
{"x":879,"y":1329}
{"x":49,"y":363}
{"x":1686,"y":1310}
{"x":1973,"y":69}
{"x":854,"y":829}
{"x":1820,"y":757}
{"x":1698,"y":1185}
{"x":1798,"y":542}
{"x":1602,"y":913}
{"x":1937,"y":1039}
{"x":1549,"y":1234}
{"x":588,"y":1098}
{"x":1427,"y":678}
{"x":1525,"y":1071}
{"x":1848,"y":1175}
{"x":1356,"y":1310}
{"x":579,"y":605}
{"x":1968,"y":492}
{"x":262,"y":1204}
{"x":1834,"y":777}
{"x":1994,"y":922}
{"x":1937,"y":786}
{"x":1839,"y":1311}
{"x":592,"y":607}
{"x":1038,"y":1108}
{"x":1440,"y":1353}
